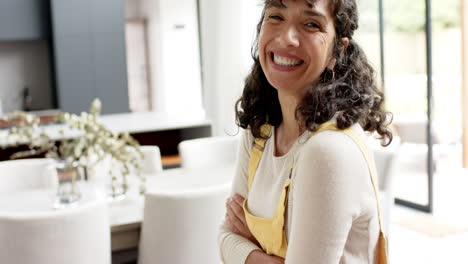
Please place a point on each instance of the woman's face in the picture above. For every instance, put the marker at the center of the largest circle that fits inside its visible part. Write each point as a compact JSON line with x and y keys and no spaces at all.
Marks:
{"x":296,"y":44}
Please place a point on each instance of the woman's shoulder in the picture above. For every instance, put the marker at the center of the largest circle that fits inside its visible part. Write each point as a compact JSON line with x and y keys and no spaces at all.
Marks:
{"x":331,"y":157}
{"x":333,"y":149}
{"x":248,"y":137}
{"x":334,"y":141}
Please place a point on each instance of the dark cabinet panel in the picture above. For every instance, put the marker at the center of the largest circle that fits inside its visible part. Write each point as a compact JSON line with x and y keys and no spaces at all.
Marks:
{"x":24,"y":19}
{"x":89,"y":52}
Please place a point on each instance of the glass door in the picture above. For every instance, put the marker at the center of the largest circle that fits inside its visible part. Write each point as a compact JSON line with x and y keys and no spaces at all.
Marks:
{"x":396,"y":36}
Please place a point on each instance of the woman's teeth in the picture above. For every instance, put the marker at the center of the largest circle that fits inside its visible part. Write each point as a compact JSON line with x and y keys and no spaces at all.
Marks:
{"x":283,"y":61}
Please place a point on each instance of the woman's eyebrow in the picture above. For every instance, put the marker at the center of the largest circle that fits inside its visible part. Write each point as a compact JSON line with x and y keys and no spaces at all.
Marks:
{"x":277,"y":5}
{"x":315,"y":13}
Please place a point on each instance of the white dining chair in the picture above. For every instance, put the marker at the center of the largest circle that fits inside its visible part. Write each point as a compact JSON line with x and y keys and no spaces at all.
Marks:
{"x":202,"y":152}
{"x":24,"y":174}
{"x":386,"y":161}
{"x":79,"y":235}
{"x":414,"y":148}
{"x":151,"y":163}
{"x":181,"y":227}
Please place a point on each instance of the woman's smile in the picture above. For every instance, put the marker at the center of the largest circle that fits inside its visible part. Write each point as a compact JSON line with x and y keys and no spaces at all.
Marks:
{"x":285,"y":62}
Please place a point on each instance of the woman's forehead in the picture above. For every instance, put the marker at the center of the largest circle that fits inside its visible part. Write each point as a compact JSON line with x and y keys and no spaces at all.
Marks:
{"x":280,"y":3}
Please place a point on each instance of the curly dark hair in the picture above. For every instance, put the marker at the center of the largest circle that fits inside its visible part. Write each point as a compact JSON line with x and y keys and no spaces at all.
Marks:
{"x":350,"y":92}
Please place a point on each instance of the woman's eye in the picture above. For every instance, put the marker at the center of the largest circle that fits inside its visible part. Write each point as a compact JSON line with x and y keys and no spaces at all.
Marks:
{"x":312,"y":25}
{"x":275,"y":17}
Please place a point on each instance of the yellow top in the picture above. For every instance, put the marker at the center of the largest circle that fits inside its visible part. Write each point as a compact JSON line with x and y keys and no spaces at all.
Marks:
{"x":270,"y":232}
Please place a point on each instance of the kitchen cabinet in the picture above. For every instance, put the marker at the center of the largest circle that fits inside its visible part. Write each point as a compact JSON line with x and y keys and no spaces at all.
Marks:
{"x":24,"y":20}
{"x":89,"y":54}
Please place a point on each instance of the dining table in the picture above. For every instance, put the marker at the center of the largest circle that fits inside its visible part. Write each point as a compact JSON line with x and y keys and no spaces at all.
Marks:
{"x":125,"y":215}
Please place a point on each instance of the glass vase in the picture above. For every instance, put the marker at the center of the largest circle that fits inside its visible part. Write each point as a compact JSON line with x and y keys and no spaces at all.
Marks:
{"x":70,"y":176}
{"x":107,"y":177}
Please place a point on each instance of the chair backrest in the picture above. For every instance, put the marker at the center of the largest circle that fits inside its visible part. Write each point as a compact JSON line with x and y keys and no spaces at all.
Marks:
{"x":17,"y":175}
{"x":202,"y":152}
{"x":78,"y":235}
{"x":415,"y":131}
{"x":385,"y":162}
{"x":181,"y":227}
{"x":151,"y":163}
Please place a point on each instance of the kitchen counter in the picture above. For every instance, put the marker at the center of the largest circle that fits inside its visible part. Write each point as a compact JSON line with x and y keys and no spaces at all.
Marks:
{"x":133,"y":123}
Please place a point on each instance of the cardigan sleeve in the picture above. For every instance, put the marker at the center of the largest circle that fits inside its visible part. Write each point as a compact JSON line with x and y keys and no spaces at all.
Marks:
{"x":234,"y":249}
{"x":331,"y":174}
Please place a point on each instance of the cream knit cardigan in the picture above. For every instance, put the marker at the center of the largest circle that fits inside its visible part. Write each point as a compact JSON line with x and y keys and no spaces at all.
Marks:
{"x":332,"y":214}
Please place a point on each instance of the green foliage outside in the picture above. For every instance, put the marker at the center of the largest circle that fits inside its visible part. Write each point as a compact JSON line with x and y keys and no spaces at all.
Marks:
{"x":405,"y":93}
{"x":409,"y":15}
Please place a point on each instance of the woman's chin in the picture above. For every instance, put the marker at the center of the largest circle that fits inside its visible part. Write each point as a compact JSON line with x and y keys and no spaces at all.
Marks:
{"x":284,"y":87}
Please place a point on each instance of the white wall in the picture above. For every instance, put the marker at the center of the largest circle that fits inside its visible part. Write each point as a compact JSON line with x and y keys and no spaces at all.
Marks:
{"x":227,"y":30}
{"x":175,"y":70}
{"x":25,"y":63}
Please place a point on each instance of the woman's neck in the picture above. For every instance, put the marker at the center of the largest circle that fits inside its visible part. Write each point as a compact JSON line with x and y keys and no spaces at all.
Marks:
{"x":289,"y":129}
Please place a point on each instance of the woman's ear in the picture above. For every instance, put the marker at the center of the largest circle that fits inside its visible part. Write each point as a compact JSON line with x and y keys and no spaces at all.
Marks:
{"x":344,"y":43}
{"x":331,"y":64}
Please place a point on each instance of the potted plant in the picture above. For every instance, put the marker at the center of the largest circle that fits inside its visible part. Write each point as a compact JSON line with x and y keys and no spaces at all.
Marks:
{"x":92,"y":143}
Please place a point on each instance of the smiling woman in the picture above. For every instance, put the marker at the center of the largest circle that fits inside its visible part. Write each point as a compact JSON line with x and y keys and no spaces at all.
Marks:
{"x":305,"y":188}
{"x":295,"y":46}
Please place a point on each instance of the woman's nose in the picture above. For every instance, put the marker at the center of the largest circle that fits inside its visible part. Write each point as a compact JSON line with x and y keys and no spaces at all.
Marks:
{"x":289,"y":37}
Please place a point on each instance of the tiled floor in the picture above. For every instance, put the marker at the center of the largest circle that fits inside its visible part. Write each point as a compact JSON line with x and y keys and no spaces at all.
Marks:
{"x":408,"y":246}
{"x":450,"y":206}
